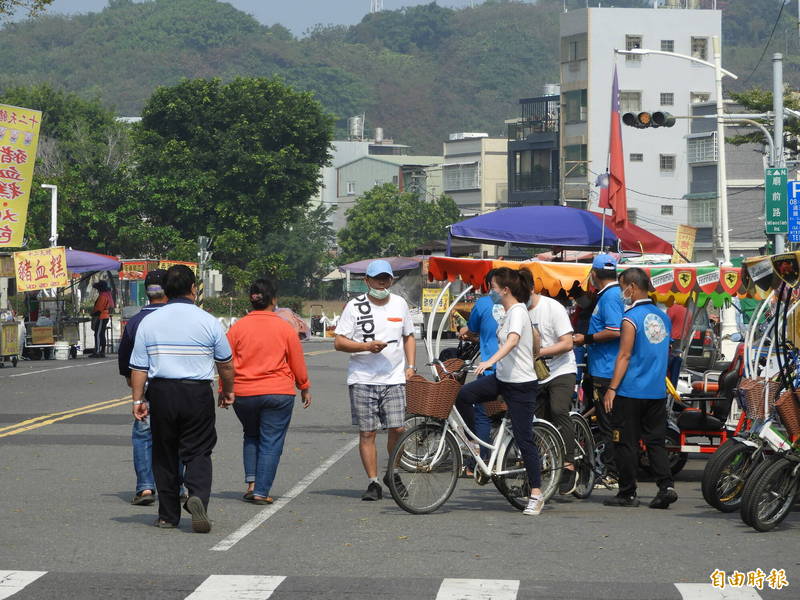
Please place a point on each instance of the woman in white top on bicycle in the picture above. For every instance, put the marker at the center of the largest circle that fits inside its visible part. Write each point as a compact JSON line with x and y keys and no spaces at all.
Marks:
{"x":514,"y":377}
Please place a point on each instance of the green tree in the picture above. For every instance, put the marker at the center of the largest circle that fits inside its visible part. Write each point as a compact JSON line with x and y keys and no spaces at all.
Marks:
{"x":10,"y":7}
{"x":386,"y":221}
{"x":237,"y":162}
{"x":758,"y":100}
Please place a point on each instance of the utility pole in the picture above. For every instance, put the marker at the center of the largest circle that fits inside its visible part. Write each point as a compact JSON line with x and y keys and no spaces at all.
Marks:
{"x":203,"y":256}
{"x":777,"y":134}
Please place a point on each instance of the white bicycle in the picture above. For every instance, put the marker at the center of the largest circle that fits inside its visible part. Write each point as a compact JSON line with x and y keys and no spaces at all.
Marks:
{"x":426,"y":462}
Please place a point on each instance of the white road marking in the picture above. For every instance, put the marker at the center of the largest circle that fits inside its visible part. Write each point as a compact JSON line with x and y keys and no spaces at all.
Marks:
{"x":102,"y":362}
{"x":478,"y":589}
{"x":12,"y":582}
{"x":236,"y":587}
{"x":706,"y":591}
{"x":271,"y":509}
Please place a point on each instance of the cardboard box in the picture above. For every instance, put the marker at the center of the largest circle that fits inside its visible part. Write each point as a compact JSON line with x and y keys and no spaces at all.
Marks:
{"x":42,"y":335}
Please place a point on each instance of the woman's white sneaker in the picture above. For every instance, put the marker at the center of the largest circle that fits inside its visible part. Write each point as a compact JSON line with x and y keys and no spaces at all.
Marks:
{"x":534,"y":507}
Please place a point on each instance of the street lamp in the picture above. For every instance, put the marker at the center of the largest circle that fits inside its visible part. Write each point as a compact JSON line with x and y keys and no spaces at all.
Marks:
{"x":53,"y":213}
{"x":722,"y":180}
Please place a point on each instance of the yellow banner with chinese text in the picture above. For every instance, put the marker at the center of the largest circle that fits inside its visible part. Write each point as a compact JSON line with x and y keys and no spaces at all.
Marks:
{"x":41,"y":269}
{"x":429,"y":296}
{"x":684,"y":244}
{"x":19,"y":136}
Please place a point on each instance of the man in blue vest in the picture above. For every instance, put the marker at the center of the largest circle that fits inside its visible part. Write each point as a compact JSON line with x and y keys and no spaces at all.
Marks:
{"x":636,"y":397}
{"x":602,"y":344}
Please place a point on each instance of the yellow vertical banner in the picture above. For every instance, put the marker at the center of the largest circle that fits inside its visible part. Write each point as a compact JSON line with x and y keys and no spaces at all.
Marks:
{"x":41,"y":269}
{"x":19,"y":136}
{"x":684,"y":243}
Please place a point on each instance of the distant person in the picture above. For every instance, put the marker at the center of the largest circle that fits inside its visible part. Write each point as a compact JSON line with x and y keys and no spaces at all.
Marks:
{"x":376,"y":330}
{"x":174,"y":353}
{"x":636,"y":395}
{"x":678,"y":316}
{"x":482,"y":325}
{"x":102,"y":313}
{"x":141,"y":436}
{"x":602,"y":343}
{"x":270,"y":368}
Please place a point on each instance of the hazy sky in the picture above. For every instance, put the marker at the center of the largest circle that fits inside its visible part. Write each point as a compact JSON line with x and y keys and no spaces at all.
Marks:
{"x":297,"y":15}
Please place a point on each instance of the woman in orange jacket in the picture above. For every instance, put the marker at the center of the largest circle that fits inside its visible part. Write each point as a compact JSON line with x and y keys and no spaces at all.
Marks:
{"x":270,"y":367}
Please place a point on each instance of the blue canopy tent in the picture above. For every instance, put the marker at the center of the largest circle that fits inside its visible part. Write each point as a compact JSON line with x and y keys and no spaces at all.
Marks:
{"x":544,"y":226}
{"x":79,"y":261}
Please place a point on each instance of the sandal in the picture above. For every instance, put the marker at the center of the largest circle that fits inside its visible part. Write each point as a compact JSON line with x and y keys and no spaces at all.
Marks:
{"x":248,"y":497}
{"x":141,"y":499}
{"x":261,"y":500}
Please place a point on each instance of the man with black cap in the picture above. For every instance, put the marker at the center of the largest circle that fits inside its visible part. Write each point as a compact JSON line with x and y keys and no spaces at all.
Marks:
{"x":142,"y":437}
{"x":602,"y":342}
{"x":376,"y":329}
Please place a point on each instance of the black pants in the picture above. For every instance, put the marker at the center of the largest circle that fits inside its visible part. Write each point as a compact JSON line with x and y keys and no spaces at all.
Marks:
{"x":100,"y":336}
{"x":634,"y":419}
{"x":182,"y":420}
{"x":521,"y":401}
{"x":608,"y":455}
{"x":556,"y":401}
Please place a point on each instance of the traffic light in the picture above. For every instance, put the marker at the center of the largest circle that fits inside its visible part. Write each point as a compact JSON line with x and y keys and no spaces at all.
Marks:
{"x":644,"y":120}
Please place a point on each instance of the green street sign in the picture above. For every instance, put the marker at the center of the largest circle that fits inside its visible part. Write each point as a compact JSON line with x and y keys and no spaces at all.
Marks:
{"x":776,"y":201}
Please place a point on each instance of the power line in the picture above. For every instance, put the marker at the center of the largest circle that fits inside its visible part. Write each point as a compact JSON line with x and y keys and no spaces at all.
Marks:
{"x":766,"y":46}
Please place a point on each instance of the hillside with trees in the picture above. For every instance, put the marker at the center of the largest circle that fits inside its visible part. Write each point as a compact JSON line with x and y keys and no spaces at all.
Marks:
{"x":420,"y":72}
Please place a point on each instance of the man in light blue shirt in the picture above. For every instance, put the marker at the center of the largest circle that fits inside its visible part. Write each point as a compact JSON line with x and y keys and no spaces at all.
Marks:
{"x":176,"y":349}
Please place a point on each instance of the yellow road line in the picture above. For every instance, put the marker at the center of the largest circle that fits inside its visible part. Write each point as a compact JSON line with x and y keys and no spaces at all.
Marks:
{"x":318,"y":352}
{"x":61,"y":416}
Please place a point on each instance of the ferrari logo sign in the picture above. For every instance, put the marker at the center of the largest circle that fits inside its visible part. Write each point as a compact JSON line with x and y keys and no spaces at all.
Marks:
{"x":684,"y":280}
{"x":731,"y":280}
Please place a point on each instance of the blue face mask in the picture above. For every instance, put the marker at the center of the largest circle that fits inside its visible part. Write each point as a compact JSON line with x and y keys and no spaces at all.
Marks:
{"x":495,"y":296}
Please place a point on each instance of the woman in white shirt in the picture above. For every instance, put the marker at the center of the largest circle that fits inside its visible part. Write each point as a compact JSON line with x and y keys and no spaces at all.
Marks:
{"x":514,"y":377}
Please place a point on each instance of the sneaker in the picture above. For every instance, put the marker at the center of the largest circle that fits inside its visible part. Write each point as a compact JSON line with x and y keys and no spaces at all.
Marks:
{"x":625,"y":501}
{"x":568,"y":483}
{"x":141,"y":499}
{"x":374,"y":492}
{"x":200,"y":522}
{"x":398,"y":485}
{"x":535,"y":506}
{"x":608,"y":482}
{"x":664,"y":498}
{"x":162,"y":524}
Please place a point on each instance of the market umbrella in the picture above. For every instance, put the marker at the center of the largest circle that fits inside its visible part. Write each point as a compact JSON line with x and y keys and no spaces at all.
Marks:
{"x":549,"y":226}
{"x":635,"y":239}
{"x":79,"y":261}
{"x":398,"y":263}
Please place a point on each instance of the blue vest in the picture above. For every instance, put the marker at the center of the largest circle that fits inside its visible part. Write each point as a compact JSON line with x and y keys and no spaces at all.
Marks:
{"x":482,"y":320}
{"x":607,"y":315}
{"x":647,"y":369}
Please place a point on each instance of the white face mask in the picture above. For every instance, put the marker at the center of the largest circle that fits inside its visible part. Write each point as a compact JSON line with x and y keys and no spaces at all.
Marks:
{"x":379,"y":294}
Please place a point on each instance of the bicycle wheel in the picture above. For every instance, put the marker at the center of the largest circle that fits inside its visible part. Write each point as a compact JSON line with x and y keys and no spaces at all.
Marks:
{"x":745,"y":510}
{"x":515,"y":487}
{"x":773,"y":495}
{"x":584,"y":457}
{"x":424,"y":468}
{"x":726,"y":472}
{"x":408,"y":461}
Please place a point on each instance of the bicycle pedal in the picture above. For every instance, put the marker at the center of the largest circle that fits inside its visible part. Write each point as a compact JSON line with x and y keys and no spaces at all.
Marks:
{"x":481,"y":478}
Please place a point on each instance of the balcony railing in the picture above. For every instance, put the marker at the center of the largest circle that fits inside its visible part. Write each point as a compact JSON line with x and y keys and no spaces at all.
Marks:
{"x":531,"y":182}
{"x":539,"y":115}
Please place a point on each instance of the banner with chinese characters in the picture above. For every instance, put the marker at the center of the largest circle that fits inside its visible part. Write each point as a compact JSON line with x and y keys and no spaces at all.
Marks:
{"x":429,"y":296}
{"x":41,"y":269}
{"x":684,"y":243}
{"x":19,"y":136}
{"x":166,"y":264}
{"x":136,"y":269}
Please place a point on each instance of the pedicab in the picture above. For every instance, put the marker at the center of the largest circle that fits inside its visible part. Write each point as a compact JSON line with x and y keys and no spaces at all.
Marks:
{"x":700,"y":421}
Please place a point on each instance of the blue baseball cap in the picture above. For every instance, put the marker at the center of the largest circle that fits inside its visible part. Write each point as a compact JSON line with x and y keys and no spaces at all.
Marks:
{"x":604,"y":262}
{"x":378,"y":267}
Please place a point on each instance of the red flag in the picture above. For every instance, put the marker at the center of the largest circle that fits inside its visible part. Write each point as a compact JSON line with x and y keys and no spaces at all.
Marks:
{"x":614,"y":196}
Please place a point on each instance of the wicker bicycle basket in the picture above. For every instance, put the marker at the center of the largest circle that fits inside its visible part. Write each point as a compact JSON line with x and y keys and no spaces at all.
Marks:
{"x":789,"y":412}
{"x":495,"y":407}
{"x":451,"y":366}
{"x":754,"y":390}
{"x":431,"y":398}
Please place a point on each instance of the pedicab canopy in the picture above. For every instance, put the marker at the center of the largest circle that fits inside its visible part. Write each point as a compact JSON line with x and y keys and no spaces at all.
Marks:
{"x":761,"y":274}
{"x":673,"y":283}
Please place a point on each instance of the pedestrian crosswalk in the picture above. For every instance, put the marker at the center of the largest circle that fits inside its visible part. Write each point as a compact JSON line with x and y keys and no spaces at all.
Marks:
{"x":34,"y":585}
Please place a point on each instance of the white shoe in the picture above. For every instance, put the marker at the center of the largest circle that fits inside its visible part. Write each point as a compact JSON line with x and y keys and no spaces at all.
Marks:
{"x":534,"y":507}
